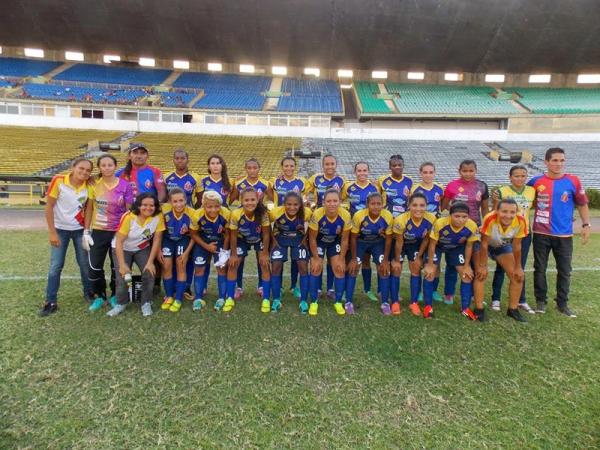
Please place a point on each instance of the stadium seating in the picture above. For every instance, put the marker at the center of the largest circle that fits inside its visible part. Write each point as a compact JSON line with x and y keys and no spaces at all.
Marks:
{"x":95,"y":73}
{"x":176,"y":99}
{"x":559,"y":100}
{"x":369,"y":103}
{"x":27,"y":151}
{"x":318,"y":96}
{"x":231,"y":100}
{"x":4,"y":83}
{"x":19,"y":68}
{"x":440,"y":99}
{"x":82,"y":94}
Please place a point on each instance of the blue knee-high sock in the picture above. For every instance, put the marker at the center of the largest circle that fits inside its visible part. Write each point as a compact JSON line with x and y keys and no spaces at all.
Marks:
{"x":450,"y":278}
{"x":260,"y":281}
{"x":276,"y":286}
{"x":415,"y":287}
{"x":394,"y":288}
{"x":330,"y":277}
{"x":222,"y":285}
{"x":378,"y":284}
{"x":320,"y":282}
{"x":169,"y":285}
{"x":466,"y":292}
{"x":384,"y":287}
{"x":240,"y":274}
{"x":206,"y":276}
{"x":189,"y":273}
{"x":304,"y":287}
{"x":366,"y":276}
{"x":340,"y":284}
{"x":179,"y":290}
{"x":428,"y":292}
{"x":266,"y":285}
{"x":350,"y":286}
{"x":199,"y":285}
{"x":315,"y":284}
{"x":294,"y":273}
{"x":436,"y":283}
{"x":230,"y":288}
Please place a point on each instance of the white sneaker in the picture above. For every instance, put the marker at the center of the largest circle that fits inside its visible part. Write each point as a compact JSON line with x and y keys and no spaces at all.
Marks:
{"x":116,"y":310}
{"x":525,"y":307}
{"x":146,"y":309}
{"x":496,"y":305}
{"x":223,"y":258}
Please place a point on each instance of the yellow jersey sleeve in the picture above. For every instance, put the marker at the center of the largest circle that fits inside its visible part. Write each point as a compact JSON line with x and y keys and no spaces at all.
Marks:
{"x":389,"y":219}
{"x":234,"y":218}
{"x":307,"y":214}
{"x":54,"y":185}
{"x":226,"y":214}
{"x":345,"y":215}
{"x":437,"y":226}
{"x":357,"y":220}
{"x":472,"y":226}
{"x":161,"y":223}
{"x":317,"y":215}
{"x":276,"y":213}
{"x":309,"y":186}
{"x":125,"y":224}
{"x":400,"y":223}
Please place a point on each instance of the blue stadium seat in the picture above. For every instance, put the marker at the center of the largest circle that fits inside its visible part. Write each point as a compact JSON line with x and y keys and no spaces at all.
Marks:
{"x":95,"y":73}
{"x":176,"y":99}
{"x":18,"y":67}
{"x":316,"y":96}
{"x":82,"y":94}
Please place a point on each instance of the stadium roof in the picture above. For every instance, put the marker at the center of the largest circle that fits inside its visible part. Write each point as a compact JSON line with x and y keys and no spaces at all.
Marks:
{"x":516,"y":36}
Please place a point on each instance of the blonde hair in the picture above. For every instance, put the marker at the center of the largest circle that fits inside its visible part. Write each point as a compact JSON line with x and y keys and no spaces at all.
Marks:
{"x":212,"y":195}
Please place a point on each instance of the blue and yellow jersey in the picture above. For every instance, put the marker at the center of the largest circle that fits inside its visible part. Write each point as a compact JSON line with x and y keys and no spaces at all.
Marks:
{"x":189,"y":183}
{"x":372,"y":230}
{"x":434,"y":195}
{"x":212,"y":230}
{"x":178,"y":226}
{"x":247,"y":228}
{"x":260,"y":186}
{"x":318,"y":184}
{"x":330,"y":229}
{"x":449,"y":237}
{"x":357,"y":195}
{"x":282,"y":186}
{"x":288,"y":231}
{"x":395,"y":193}
{"x":208,"y":183}
{"x":413,"y":231}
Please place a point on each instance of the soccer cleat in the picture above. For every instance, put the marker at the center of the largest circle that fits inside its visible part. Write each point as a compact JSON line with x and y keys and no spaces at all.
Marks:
{"x":480,"y":314}
{"x":229,"y":304}
{"x":339,"y":308}
{"x":540,"y":308}
{"x":176,"y":306}
{"x":313,"y":309}
{"x":198,"y":304}
{"x":496,"y":305}
{"x":116,"y":310}
{"x":566,"y":311}
{"x":515,"y":314}
{"x":47,"y":309}
{"x":147,"y":309}
{"x":428,"y":312}
{"x":415,"y":309}
{"x":525,"y":307}
{"x":330,"y":294}
{"x":469,"y":314}
{"x":396,"y":309}
{"x":385,"y":309}
{"x":371,"y":296}
{"x":276,"y":305}
{"x":113,"y":301}
{"x":219,"y":304}
{"x":97,"y":304}
{"x":437,"y":297}
{"x":167,"y":302}
{"x":303,"y":307}
{"x":265,"y":306}
{"x":296,"y":292}
{"x":349,"y":307}
{"x":238,"y":293}
{"x":448,"y":299}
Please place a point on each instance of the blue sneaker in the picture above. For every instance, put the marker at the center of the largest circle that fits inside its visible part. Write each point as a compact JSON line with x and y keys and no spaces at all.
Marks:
{"x":296,"y":292}
{"x":97,"y":304}
{"x":198,"y":304}
{"x":219,"y":304}
{"x":437,"y":297}
{"x":303,"y":307}
{"x":113,"y":301}
{"x":275,"y":305}
{"x":448,"y":299}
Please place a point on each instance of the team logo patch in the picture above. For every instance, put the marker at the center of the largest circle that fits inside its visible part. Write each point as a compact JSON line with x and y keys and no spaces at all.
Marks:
{"x":460,"y":189}
{"x":541,"y":188}
{"x":203,"y":222}
{"x":436,"y":197}
{"x":564,"y":197}
{"x":188,"y":186}
{"x":166,"y":251}
{"x":242,"y":222}
{"x":200,"y":260}
{"x":282,"y":220}
{"x":445,"y":232}
{"x":409,"y":227}
{"x":387,"y":182}
{"x":148,"y":184}
{"x":365,"y":223}
{"x":277,"y":254}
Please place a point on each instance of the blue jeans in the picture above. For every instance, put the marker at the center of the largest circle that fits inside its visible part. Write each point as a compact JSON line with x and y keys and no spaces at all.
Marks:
{"x":499,"y":273}
{"x":57,"y":262}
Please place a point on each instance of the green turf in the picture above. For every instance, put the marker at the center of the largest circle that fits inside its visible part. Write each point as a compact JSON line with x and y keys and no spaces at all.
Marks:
{"x":249,"y":380}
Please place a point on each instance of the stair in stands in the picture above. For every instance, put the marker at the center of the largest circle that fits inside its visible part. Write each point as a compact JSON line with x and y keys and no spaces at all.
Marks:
{"x":58,"y":70}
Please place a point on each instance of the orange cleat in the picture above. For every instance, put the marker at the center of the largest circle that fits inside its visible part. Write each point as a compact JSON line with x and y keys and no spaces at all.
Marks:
{"x":396,"y":309}
{"x":414,"y":309}
{"x":428,"y":312}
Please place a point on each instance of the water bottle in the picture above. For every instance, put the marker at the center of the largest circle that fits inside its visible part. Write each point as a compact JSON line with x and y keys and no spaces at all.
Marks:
{"x":127,"y":279}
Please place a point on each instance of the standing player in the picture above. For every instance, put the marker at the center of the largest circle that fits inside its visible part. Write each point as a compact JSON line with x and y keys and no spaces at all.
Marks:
{"x":217,"y":179}
{"x":65,"y":205}
{"x":395,"y":187}
{"x":141,"y":176}
{"x":182,"y":178}
{"x":557,"y":195}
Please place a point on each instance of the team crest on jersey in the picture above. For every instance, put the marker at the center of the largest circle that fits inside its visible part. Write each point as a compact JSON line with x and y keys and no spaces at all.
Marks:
{"x":188,"y":186}
{"x":541,"y":188}
{"x":460,"y":189}
{"x":184,"y":229}
{"x":353,"y":188}
{"x":242,"y":221}
{"x":207,"y":183}
{"x":296,"y":189}
{"x":167,"y":217}
{"x":445,"y":232}
{"x":436,"y":197}
{"x":336,"y":186}
{"x":387,"y":182}
{"x":564,"y":197}
{"x":365,"y":223}
{"x":148,"y":184}
{"x":462,"y":240}
{"x":82,"y":199}
{"x":478,"y":196}
{"x":409,"y":227}
{"x":147,"y":233}
{"x":282,"y":220}
{"x":338,"y":229}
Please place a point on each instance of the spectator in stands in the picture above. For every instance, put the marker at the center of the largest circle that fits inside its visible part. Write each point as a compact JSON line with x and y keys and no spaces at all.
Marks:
{"x":67,"y":197}
{"x":557,"y":195}
{"x":141,"y":176}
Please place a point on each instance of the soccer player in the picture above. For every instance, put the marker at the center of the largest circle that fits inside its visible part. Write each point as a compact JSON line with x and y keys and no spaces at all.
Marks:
{"x":356,"y":193}
{"x":217,"y":179}
{"x":110,"y":198}
{"x":184,"y":179}
{"x":328,"y":234}
{"x":524,"y":196}
{"x":176,"y":247}
{"x":141,"y":176}
{"x":138,"y":241}
{"x":454,"y":237}
{"x":371,"y":235}
{"x":290,"y":223}
{"x":395,"y":187}
{"x":249,"y":228}
{"x":557,"y":195}
{"x":412,"y":230}
{"x":502,"y":233}
{"x":65,"y":205}
{"x":212,"y":241}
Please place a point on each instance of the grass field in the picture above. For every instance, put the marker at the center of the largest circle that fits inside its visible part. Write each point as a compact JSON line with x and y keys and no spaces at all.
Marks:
{"x":248,"y":380}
